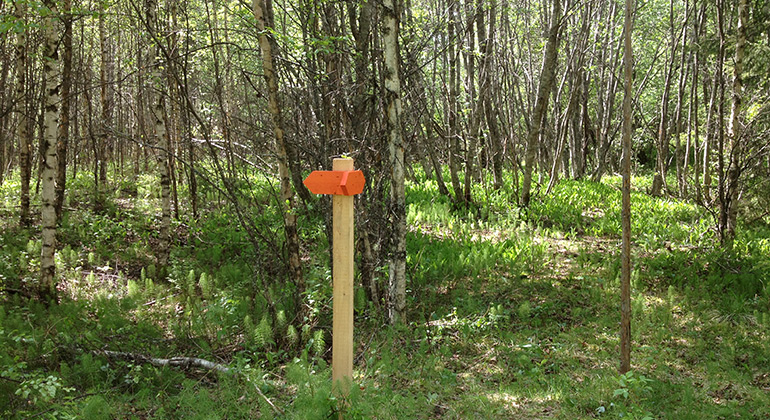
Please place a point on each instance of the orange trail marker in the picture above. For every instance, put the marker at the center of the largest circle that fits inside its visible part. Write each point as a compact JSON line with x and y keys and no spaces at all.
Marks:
{"x":343,"y":183}
{"x":335,"y":182}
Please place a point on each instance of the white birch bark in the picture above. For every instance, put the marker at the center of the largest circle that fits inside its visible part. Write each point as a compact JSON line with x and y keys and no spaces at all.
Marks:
{"x":160,"y":133}
{"x":397,"y":281}
{"x":51,"y":73}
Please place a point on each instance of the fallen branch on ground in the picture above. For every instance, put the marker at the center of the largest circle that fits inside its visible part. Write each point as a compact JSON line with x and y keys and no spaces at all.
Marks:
{"x":181,"y":362}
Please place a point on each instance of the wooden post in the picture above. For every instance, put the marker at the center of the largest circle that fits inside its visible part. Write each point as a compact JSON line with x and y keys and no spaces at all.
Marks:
{"x":342,"y":273}
{"x":343,"y":183}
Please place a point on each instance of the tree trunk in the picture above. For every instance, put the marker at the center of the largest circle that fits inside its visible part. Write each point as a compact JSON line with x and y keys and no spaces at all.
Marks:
{"x":5,"y":93}
{"x":625,"y":271}
{"x":547,"y":77}
{"x":22,"y":129}
{"x":609,"y":57}
{"x":361,"y":29}
{"x":160,"y":134}
{"x":719,"y":95}
{"x":141,"y":105}
{"x":187,"y":130}
{"x":715,"y":118}
{"x":682,"y":89}
{"x":47,"y":287}
{"x":583,"y":129}
{"x":106,"y":102}
{"x":62,"y":143}
{"x":397,"y":282}
{"x":486,"y":96}
{"x":261,"y":10}
{"x":471,"y":137}
{"x":561,"y":138}
{"x":453,"y":130}
{"x":729,"y":209}
{"x":659,"y":182}
{"x":694,"y":112}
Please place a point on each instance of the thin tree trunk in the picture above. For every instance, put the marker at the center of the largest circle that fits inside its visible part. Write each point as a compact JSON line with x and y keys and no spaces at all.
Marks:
{"x":361,"y":29}
{"x":471,"y":137}
{"x":187,"y":127}
{"x":625,"y":271}
{"x":261,"y":10}
{"x":106,"y":102}
{"x":171,"y":146}
{"x":490,"y":111}
{"x":606,"y":106}
{"x":47,"y":287}
{"x":141,"y":105}
{"x":62,"y":143}
{"x":397,"y":283}
{"x":161,"y":139}
{"x":562,"y":135}
{"x":547,"y":77}
{"x":719,"y":92}
{"x":22,"y":129}
{"x":172,"y":112}
{"x":694,"y":120}
{"x":453,"y":130}
{"x":691,"y":147}
{"x":5,"y":92}
{"x":683,"y":73}
{"x":659,"y":182}
{"x":729,"y":209}
{"x":39,"y":99}
{"x":583,"y":130}
{"x":715,"y":110}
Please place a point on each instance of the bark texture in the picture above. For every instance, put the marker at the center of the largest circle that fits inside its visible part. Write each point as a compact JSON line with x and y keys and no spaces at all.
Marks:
{"x":729,"y":201}
{"x":62,"y":143}
{"x":284,"y":174}
{"x":22,"y":128}
{"x":156,"y":97}
{"x":547,"y":77}
{"x":397,"y":282}
{"x":625,"y":270}
{"x":51,"y":74}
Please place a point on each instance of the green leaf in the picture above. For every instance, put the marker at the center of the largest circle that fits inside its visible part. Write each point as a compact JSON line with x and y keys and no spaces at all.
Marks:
{"x":621,"y":391}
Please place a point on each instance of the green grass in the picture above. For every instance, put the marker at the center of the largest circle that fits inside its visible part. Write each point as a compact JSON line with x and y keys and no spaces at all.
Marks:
{"x":512,"y":315}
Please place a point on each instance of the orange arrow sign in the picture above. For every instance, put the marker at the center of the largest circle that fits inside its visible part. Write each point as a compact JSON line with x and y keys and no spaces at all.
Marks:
{"x":335,"y":182}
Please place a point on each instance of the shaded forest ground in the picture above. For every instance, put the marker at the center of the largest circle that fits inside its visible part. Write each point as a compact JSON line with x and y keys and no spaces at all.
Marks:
{"x":512,"y":315}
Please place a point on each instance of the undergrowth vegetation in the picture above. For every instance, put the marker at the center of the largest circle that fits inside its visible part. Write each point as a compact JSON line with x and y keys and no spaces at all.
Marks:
{"x":512,"y":314}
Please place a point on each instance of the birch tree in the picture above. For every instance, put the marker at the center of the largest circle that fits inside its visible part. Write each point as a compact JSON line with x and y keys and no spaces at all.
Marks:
{"x":52,"y":99}
{"x":156,"y":99}
{"x":397,"y":284}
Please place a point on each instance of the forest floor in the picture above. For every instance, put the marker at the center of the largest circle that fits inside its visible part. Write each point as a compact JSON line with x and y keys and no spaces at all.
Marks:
{"x":511,"y":316}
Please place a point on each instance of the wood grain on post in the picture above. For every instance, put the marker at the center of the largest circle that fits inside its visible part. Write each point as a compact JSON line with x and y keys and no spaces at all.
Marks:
{"x":342,"y":336}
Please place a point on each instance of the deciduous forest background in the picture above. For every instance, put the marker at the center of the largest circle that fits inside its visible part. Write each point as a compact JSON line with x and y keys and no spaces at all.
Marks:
{"x":161,"y":258}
